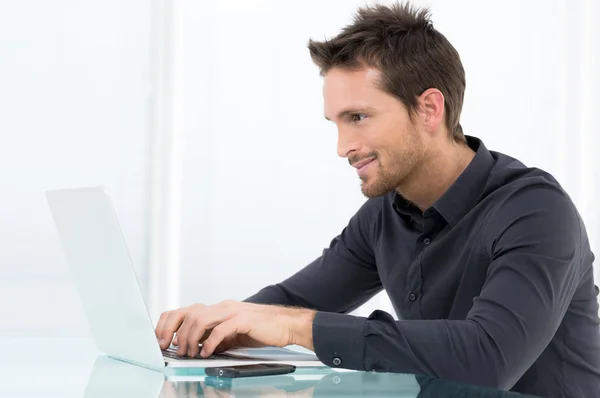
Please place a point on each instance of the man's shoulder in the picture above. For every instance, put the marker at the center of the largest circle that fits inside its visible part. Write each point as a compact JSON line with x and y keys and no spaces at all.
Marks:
{"x":515,"y":191}
{"x":511,"y":178}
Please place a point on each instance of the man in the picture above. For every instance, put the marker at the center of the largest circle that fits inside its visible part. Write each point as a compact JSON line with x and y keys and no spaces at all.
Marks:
{"x":486,"y":261}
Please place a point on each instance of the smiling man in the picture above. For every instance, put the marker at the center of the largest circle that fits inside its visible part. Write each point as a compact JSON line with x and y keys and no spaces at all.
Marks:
{"x":486,"y":261}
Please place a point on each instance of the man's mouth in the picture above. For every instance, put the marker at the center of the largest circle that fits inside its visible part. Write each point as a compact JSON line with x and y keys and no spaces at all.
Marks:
{"x":363,"y":165}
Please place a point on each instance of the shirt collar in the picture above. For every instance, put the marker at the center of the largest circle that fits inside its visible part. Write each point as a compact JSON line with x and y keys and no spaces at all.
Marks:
{"x":462,"y":195}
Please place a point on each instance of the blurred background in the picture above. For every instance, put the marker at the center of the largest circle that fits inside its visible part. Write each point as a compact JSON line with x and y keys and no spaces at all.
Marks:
{"x":204,"y":121}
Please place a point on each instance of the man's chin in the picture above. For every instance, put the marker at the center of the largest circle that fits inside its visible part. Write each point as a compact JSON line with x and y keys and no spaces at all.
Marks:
{"x":372,"y":189}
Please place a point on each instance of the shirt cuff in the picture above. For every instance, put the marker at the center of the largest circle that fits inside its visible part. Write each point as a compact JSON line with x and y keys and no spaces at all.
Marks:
{"x":339,"y":340}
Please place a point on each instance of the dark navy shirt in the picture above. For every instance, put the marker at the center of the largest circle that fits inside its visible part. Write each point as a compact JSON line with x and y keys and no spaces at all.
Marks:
{"x":493,"y":285}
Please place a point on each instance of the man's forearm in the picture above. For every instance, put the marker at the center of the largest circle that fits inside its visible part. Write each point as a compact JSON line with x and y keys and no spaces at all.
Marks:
{"x":437,"y":348}
{"x":338,"y":281}
{"x":300,"y":319}
{"x":274,"y":294}
{"x":434,"y":348}
{"x":302,"y":327}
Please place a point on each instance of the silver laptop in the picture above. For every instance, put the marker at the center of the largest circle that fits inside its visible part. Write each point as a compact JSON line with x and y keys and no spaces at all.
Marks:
{"x":107,"y":284}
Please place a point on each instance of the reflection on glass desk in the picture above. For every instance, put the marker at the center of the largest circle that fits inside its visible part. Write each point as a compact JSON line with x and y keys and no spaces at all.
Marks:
{"x":112,"y":378}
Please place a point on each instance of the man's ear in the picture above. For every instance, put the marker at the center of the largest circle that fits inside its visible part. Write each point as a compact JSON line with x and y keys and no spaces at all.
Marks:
{"x":431,"y":109}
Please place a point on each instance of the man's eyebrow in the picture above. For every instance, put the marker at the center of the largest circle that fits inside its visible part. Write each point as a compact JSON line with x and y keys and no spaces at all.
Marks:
{"x":351,"y":111}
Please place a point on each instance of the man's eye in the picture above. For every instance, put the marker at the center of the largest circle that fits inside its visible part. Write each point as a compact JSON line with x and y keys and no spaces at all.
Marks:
{"x":358,"y":117}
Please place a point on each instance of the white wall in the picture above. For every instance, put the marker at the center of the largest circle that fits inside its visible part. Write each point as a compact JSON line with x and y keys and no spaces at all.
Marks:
{"x":263,"y":189}
{"x":253,"y":189}
{"x":75,"y":84}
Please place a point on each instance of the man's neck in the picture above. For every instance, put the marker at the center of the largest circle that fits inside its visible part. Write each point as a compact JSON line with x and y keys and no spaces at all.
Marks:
{"x":440,"y":171}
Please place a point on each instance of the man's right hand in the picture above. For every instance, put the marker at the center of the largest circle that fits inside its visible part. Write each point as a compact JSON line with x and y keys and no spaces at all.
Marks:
{"x":171,"y":321}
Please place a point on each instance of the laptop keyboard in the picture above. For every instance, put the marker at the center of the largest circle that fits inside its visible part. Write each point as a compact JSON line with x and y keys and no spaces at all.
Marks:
{"x":171,"y":352}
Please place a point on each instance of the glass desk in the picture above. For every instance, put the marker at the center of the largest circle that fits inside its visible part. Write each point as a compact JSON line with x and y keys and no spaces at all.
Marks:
{"x":73,"y":368}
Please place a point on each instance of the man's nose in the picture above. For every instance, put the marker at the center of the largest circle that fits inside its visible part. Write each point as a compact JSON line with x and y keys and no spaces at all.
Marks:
{"x":346,"y":144}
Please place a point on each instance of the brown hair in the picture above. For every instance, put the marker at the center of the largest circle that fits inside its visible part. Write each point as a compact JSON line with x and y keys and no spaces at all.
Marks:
{"x":400,"y":41}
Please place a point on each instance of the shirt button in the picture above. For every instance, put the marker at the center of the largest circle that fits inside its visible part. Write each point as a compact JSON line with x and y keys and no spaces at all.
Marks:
{"x":412,"y":297}
{"x":337,"y":361}
{"x":427,"y":241}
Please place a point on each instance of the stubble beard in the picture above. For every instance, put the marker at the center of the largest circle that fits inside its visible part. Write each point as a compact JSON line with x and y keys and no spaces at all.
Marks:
{"x":403,"y":164}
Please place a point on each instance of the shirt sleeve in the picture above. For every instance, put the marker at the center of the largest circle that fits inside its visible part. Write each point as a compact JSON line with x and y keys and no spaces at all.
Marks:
{"x":341,"y":279}
{"x":535,"y":243}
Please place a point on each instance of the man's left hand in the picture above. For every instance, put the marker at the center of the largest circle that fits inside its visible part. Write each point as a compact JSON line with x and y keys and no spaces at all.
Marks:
{"x":233,"y":324}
